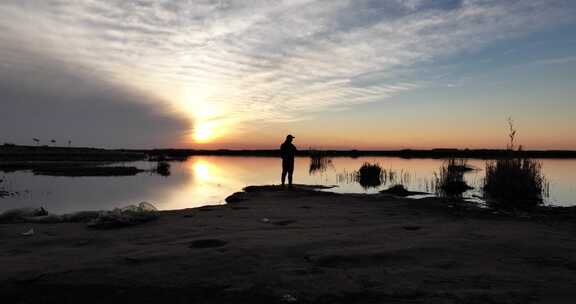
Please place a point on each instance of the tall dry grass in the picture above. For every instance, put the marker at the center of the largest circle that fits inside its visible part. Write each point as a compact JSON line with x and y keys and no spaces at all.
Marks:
{"x":515,"y":181}
{"x":319,"y":162}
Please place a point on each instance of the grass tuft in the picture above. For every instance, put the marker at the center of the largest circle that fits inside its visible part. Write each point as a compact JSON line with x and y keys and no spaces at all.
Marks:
{"x":370,"y":175}
{"x":515,"y":183}
{"x":450,"y":180}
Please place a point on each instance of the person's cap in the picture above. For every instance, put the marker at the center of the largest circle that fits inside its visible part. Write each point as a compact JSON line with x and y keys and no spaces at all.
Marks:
{"x":290,"y":136}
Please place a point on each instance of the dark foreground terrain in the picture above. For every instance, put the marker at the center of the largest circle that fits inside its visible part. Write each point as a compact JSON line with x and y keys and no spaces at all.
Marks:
{"x":301,"y":246}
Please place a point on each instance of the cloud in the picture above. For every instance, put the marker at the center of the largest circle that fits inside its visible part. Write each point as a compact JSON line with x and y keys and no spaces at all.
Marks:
{"x":554,"y":61}
{"x":43,"y":99}
{"x":267,"y":60}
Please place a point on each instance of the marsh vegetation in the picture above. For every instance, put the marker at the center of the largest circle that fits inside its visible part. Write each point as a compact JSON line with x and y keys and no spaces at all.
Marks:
{"x":514,"y":181}
{"x":449,"y":181}
{"x":162,"y":168}
{"x":69,"y":168}
{"x":370,"y":175}
{"x":319,"y":161}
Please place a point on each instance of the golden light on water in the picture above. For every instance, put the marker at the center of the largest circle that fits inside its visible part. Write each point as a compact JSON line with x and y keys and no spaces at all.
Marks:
{"x":202,"y":170}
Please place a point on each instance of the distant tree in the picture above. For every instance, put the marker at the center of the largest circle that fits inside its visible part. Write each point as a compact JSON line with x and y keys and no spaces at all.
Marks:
{"x":69,"y":143}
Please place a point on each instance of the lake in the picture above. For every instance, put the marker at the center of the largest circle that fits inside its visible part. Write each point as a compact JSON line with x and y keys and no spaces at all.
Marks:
{"x":208,"y":180}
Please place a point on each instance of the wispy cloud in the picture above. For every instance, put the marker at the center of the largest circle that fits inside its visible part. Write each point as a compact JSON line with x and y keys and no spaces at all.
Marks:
{"x":561,"y":60}
{"x":271,"y":60}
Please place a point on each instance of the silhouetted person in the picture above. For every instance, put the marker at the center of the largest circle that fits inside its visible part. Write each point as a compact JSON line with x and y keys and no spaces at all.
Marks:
{"x":287,"y":152}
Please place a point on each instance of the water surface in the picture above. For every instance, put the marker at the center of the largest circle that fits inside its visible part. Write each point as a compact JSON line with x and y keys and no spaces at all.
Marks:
{"x":207,"y":180}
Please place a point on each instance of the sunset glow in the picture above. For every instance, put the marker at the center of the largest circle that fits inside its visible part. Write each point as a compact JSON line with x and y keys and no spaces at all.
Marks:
{"x":243,"y":74}
{"x":202,"y":133}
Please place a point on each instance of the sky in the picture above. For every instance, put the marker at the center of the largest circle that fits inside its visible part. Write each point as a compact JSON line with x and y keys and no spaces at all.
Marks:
{"x":337,"y":74}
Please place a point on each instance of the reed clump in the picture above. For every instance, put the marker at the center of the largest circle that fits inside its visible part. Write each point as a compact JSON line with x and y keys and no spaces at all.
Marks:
{"x":370,"y":175}
{"x":450,"y":180}
{"x":162,"y":168}
{"x":515,"y":182}
{"x":319,"y":161}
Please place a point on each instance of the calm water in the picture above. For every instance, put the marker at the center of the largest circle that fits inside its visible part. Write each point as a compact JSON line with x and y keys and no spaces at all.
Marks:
{"x":207,"y":180}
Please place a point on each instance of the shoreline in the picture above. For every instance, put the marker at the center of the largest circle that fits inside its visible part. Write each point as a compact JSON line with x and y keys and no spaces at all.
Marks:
{"x":269,"y":245}
{"x":55,"y":153}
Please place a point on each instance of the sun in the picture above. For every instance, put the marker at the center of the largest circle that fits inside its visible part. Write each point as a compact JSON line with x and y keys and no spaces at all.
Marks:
{"x":203,"y":133}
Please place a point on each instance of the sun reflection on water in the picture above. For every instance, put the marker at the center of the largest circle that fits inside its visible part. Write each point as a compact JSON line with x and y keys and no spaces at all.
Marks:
{"x":201,"y":170}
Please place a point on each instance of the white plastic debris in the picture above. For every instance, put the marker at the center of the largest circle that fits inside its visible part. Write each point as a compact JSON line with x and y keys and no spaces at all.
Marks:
{"x":127,"y":216}
{"x":28,"y":233}
{"x":288,"y":298}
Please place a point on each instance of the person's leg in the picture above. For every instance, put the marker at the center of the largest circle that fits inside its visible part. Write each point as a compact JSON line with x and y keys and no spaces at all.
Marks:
{"x":284,"y":170}
{"x":290,"y":173}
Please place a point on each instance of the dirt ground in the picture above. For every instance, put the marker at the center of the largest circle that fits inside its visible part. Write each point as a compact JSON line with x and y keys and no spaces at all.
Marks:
{"x":271,"y":245}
